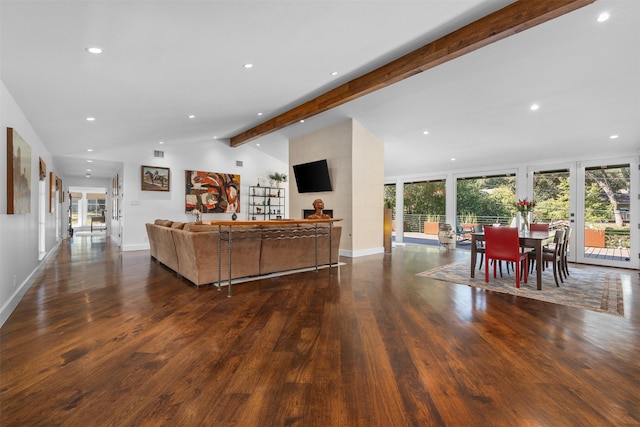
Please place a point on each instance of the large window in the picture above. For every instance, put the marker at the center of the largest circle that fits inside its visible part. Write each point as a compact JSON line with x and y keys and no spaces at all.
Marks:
{"x":96,"y":205}
{"x":486,"y":200}
{"x":424,"y":202}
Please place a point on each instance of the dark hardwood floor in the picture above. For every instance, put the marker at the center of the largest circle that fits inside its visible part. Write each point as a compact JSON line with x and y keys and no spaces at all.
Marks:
{"x":105,"y":338}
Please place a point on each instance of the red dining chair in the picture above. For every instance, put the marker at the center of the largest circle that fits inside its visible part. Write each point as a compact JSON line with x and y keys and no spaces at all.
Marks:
{"x":503,"y":244}
{"x":539,"y":226}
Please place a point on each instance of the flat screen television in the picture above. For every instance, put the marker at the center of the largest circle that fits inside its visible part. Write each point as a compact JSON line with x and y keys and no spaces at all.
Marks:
{"x":312,"y":177}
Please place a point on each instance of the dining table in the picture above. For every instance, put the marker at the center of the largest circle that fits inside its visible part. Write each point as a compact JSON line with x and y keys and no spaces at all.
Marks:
{"x":528,"y":239}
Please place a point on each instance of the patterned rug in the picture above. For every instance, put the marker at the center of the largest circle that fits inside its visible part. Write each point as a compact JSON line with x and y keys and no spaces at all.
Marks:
{"x":591,"y":289}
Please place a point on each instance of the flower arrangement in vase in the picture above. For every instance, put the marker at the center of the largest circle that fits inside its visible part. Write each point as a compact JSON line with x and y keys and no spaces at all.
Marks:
{"x":525,"y":208}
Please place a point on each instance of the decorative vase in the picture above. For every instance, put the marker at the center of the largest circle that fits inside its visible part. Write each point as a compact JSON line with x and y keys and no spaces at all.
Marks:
{"x":524,"y":221}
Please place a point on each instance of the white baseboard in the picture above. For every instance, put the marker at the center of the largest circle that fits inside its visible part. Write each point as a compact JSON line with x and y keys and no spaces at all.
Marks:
{"x":139,"y":247}
{"x":14,"y":300}
{"x":363,"y":252}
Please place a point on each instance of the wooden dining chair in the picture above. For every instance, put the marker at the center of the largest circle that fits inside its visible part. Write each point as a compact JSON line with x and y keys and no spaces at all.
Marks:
{"x":552,"y":255}
{"x":479,"y":245}
{"x":503,"y":244}
{"x":564,"y":251}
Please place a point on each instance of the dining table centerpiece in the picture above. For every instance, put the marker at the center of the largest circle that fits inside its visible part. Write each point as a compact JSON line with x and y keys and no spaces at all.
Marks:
{"x":524,"y":207}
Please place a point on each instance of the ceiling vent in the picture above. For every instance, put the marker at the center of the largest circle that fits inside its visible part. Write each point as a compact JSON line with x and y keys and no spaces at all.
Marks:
{"x":158,"y":153}
{"x":239,"y":163}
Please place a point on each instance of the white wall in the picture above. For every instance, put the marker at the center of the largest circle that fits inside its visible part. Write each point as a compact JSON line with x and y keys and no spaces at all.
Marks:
{"x":19,"y":233}
{"x":138,"y":207}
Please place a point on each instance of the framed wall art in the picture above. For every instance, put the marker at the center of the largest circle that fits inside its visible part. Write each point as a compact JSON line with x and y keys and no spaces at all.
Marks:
{"x":59,"y":187}
{"x":42,"y":169}
{"x":53,"y":181}
{"x":18,"y":174}
{"x":212,"y":192}
{"x":155,"y":178}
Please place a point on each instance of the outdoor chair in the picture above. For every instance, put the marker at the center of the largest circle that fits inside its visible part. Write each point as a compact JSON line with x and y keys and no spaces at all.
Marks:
{"x":503,"y":244}
{"x":460,"y":232}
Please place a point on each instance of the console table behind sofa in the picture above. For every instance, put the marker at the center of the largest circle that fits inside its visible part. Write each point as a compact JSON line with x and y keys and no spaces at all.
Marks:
{"x":213,"y":252}
{"x":277,"y":238}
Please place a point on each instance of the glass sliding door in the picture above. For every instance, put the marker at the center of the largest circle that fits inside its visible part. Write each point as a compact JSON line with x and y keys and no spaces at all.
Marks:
{"x":605,"y":236}
{"x":551,"y":191}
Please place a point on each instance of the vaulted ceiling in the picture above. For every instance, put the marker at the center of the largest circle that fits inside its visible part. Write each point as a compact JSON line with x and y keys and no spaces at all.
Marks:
{"x":163,"y":61}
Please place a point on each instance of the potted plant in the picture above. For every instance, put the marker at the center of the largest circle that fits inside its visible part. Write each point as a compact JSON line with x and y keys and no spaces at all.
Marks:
{"x":431,"y":224}
{"x":278,"y":178}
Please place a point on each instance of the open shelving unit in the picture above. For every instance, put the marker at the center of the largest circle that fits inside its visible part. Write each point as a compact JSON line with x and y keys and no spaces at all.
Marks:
{"x":266,"y":203}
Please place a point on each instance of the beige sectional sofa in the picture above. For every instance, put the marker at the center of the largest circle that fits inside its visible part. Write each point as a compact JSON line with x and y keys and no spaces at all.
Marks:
{"x":191,"y":249}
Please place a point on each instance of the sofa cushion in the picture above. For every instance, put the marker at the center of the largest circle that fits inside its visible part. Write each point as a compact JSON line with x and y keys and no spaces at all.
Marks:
{"x":163,"y":222}
{"x":178,"y":225}
{"x":191,"y":226}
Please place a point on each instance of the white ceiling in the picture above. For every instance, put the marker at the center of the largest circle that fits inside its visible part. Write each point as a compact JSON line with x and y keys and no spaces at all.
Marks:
{"x":165,"y":60}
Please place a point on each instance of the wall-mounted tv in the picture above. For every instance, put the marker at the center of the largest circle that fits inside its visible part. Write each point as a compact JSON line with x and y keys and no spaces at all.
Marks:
{"x":312,"y":177}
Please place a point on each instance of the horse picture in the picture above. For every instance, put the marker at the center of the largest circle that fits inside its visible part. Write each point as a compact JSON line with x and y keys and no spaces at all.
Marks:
{"x":155,"y":178}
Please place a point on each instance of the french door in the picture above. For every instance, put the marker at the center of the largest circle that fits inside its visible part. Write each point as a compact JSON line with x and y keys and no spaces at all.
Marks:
{"x":598,"y":200}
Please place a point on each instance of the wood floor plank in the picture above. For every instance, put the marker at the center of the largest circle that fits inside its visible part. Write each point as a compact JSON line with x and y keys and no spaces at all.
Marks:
{"x":110,"y":338}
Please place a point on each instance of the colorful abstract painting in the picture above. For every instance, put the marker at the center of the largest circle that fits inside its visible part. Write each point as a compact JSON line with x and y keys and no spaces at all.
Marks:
{"x":212,"y":192}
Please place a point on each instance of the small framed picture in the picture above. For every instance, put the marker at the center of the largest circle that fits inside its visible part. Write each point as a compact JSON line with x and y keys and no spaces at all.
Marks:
{"x":155,"y":178}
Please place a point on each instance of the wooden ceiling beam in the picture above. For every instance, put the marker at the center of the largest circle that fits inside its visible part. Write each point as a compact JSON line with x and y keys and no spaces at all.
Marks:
{"x":510,"y":20}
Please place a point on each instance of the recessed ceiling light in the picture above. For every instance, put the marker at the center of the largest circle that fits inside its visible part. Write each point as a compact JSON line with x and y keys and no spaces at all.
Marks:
{"x":257,"y":144}
{"x":89,"y":150}
{"x":426,"y":132}
{"x":248,"y":65}
{"x":301,"y":121}
{"x":89,"y":161}
{"x":161,"y":142}
{"x":453,"y":159}
{"x":91,"y":119}
{"x":88,"y":170}
{"x":259,"y":114}
{"x":603,"y":16}
{"x":335,"y":73}
{"x":215,"y":137}
{"x":88,"y":175}
{"x":95,"y":50}
{"x":192,"y":116}
{"x":534,"y":107}
{"x":613,"y":137}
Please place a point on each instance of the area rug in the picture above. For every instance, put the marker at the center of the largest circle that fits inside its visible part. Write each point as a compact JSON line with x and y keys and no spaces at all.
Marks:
{"x":590,"y":289}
